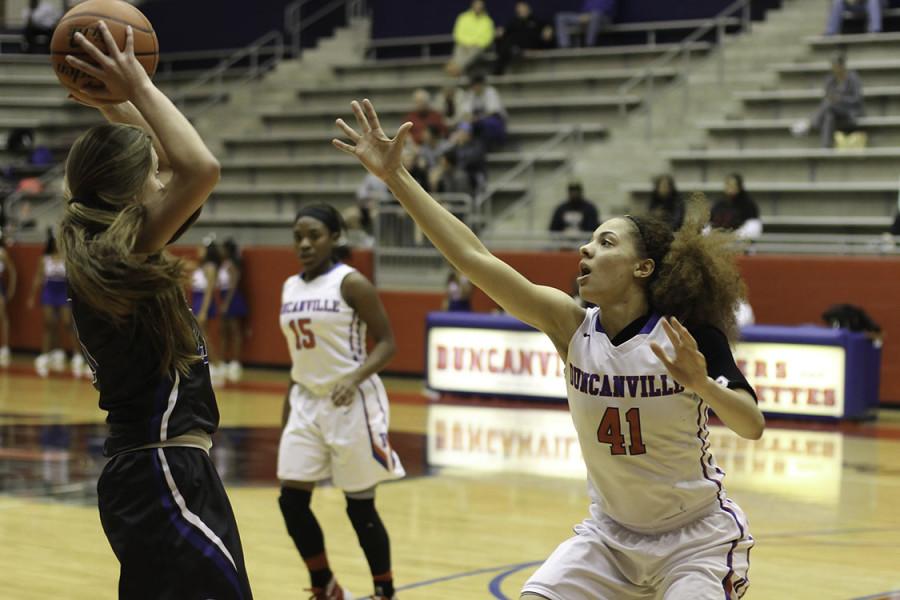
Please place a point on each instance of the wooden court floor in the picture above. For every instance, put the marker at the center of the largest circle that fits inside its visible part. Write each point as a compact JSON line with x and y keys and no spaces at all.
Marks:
{"x":824,"y":504}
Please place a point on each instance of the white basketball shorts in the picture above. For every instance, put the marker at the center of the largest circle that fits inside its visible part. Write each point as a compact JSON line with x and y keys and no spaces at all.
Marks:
{"x":707,"y":559}
{"x":349,"y":444}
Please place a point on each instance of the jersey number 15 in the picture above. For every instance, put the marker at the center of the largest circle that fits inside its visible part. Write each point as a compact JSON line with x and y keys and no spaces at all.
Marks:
{"x":303,"y":336}
{"x":610,"y":432}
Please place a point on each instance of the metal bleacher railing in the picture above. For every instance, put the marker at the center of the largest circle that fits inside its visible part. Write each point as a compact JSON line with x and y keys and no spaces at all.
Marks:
{"x":682,"y":54}
{"x":767,"y":243}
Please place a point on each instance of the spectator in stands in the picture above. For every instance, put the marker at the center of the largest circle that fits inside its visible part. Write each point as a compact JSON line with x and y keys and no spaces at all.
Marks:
{"x":429,"y":151}
{"x":840,"y":109}
{"x":523,"y":32}
{"x":594,"y":15}
{"x":473,"y":33}
{"x":416,"y":167}
{"x":480,"y":106}
{"x":872,"y":8}
{"x":576,"y":215}
{"x":447,"y":178}
{"x":423,"y":116}
{"x":470,"y":155}
{"x":40,"y":21}
{"x":736,"y":210}
{"x":370,"y":194}
{"x":666,"y":203}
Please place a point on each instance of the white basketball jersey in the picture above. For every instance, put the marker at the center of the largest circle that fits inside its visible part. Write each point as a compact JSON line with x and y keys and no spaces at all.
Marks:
{"x":54,"y":268}
{"x":643,"y":437}
{"x":325,"y":336}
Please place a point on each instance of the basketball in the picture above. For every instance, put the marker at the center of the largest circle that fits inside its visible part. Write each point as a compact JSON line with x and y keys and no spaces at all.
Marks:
{"x":85,"y":18}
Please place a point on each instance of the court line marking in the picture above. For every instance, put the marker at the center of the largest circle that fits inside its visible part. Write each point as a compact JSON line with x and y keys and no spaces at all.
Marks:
{"x":509,"y":568}
{"x":497,"y":582}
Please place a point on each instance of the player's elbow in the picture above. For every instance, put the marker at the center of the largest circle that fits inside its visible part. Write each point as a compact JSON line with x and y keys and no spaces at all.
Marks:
{"x":390,"y":348}
{"x":754,"y":430}
{"x":209,"y":171}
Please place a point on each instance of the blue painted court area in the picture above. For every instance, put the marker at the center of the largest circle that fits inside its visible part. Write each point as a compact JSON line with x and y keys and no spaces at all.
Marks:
{"x":494,"y":586}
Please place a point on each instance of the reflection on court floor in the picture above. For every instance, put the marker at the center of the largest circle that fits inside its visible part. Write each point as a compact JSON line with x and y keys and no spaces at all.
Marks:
{"x":491,"y":492}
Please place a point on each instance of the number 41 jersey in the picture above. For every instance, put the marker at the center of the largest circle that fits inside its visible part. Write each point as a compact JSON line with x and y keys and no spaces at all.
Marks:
{"x":325,"y":336}
{"x":644,"y":437}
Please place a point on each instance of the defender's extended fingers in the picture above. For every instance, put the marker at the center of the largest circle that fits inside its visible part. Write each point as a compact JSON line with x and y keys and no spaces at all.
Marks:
{"x":661,"y":355}
{"x":343,"y":146}
{"x":371,"y":115}
{"x":686,"y":338}
{"x":403,"y":132}
{"x":349,"y":131}
{"x":360,"y":117}
{"x":672,"y":334}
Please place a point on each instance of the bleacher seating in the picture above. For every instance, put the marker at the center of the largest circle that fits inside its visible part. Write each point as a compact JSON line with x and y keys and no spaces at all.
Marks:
{"x":551,"y":88}
{"x":798,"y":185}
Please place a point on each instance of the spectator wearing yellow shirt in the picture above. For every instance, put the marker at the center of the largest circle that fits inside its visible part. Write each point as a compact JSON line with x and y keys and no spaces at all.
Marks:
{"x":473,"y":33}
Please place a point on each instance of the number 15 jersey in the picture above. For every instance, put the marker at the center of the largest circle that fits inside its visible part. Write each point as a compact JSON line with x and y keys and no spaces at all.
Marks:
{"x":325,"y":336}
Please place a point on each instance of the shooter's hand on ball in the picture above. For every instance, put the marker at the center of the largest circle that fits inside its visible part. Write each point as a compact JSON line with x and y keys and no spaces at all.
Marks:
{"x":119,"y":71}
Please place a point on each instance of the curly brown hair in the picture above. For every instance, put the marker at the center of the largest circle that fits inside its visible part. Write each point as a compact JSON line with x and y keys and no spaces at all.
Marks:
{"x":696,"y":278}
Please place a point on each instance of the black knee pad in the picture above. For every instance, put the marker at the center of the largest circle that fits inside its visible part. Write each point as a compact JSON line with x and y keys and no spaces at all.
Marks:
{"x":294,"y":504}
{"x":373,"y":537}
{"x":301,"y":523}
{"x":362,"y":513}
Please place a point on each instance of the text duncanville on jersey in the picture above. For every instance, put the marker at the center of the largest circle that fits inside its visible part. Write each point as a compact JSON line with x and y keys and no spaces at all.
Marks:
{"x":316,"y":305}
{"x":615,"y":386}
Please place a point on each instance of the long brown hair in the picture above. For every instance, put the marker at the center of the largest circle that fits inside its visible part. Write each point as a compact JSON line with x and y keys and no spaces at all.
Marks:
{"x":106,"y":172}
{"x":696,"y":278}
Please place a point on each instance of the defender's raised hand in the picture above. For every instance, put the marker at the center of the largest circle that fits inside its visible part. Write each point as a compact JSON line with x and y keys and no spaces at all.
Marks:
{"x":378,"y":153}
{"x":688,"y":366}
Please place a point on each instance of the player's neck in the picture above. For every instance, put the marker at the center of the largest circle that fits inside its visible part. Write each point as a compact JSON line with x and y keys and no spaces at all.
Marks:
{"x":318,"y":270}
{"x":616,"y":316}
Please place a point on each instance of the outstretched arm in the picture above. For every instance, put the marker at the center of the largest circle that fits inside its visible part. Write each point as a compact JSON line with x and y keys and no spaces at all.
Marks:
{"x":548,"y":309}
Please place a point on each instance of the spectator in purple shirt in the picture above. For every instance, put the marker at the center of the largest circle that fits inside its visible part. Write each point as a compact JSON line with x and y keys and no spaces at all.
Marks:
{"x":594,"y":15}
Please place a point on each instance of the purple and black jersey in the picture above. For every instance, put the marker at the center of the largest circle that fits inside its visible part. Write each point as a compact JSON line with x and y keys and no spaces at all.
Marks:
{"x":144,"y":405}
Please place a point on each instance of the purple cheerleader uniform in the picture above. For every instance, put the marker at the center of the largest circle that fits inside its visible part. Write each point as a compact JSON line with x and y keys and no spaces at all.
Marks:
{"x":238,"y":307}
{"x":54,"y":292}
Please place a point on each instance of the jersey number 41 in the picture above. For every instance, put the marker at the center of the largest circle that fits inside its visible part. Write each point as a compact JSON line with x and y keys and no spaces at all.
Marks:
{"x":610,"y":432}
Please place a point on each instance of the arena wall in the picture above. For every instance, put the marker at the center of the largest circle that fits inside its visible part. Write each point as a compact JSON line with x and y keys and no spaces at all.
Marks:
{"x":787,"y":290}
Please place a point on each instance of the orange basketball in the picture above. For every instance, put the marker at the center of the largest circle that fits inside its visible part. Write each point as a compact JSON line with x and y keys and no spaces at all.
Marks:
{"x":85,"y":18}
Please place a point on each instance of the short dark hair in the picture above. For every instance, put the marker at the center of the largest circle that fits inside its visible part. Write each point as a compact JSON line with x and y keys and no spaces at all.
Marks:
{"x":325,"y":214}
